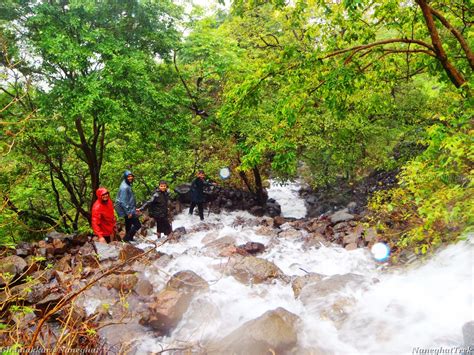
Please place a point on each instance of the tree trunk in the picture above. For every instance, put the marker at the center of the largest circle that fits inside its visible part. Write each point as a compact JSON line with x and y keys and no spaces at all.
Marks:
{"x":259,"y":190}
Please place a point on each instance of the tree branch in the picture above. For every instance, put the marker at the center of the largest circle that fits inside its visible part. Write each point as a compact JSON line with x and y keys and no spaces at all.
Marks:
{"x":462,"y":41}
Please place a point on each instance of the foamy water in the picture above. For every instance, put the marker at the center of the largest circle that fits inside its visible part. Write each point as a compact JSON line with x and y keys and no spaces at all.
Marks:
{"x":288,"y":198}
{"x":421,"y":307}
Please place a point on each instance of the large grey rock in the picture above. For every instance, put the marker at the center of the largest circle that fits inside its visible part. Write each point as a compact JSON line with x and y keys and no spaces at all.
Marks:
{"x":468,"y":334}
{"x":328,"y":286}
{"x":275,"y":330}
{"x":107,"y":251}
{"x":341,"y":216}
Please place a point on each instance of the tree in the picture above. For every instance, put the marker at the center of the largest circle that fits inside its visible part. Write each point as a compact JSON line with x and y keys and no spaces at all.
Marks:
{"x":95,"y":66}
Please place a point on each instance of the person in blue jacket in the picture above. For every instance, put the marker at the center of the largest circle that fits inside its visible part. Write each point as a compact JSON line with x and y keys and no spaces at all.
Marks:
{"x":197,"y":193}
{"x":125,"y":205}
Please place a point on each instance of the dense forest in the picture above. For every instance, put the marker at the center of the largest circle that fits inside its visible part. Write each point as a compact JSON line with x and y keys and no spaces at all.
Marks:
{"x":323,"y":90}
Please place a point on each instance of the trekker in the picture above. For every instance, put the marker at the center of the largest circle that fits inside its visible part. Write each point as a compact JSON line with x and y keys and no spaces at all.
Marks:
{"x":125,"y":206}
{"x":103,"y":216}
{"x":157,"y":207}
{"x":197,"y":193}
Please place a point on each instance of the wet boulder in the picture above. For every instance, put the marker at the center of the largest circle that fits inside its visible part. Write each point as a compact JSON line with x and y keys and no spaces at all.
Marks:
{"x":273,"y":332}
{"x":258,"y":211}
{"x":272,"y":208}
{"x":468,"y":334}
{"x":341,"y":216}
{"x":187,"y":281}
{"x":250,"y":269}
{"x":219,"y":246}
{"x":278,"y":221}
{"x":252,"y":248}
{"x":328,"y":286}
{"x":170,"y":304}
{"x":143,"y":287}
{"x":301,"y":281}
{"x":107,"y":251}
{"x":129,"y":251}
{"x":24,"y":249}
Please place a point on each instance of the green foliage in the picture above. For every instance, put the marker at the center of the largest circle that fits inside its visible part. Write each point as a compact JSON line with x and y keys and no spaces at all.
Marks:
{"x":346,"y":88}
{"x":434,"y":201}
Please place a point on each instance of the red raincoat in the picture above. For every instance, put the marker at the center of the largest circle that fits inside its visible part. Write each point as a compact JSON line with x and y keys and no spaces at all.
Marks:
{"x":103,"y":217}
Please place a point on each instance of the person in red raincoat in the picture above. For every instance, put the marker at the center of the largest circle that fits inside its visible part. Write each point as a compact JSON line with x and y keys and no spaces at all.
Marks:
{"x":103,"y":216}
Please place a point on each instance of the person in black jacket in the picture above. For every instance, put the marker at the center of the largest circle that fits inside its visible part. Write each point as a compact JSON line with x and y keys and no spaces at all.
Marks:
{"x":197,"y":193}
{"x":157,"y":207}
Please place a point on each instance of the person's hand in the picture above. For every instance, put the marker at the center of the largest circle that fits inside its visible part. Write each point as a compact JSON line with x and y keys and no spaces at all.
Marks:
{"x":102,"y":240}
{"x":130,"y":215}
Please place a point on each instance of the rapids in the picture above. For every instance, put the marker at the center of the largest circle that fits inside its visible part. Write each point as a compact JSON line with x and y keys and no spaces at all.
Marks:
{"x":421,"y":306}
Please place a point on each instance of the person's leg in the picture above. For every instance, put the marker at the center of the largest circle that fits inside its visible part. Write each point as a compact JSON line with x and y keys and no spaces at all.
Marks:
{"x":128,"y":225}
{"x":201,"y":210}
{"x":158,"y":227}
{"x":135,"y":225}
{"x":191,"y":207}
{"x":166,"y":227}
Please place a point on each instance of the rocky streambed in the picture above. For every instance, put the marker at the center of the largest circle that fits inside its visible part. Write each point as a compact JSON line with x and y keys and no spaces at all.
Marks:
{"x":245,"y":284}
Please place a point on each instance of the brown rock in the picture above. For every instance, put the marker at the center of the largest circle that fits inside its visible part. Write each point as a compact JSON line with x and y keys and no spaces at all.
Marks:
{"x":351,"y":246}
{"x":253,"y":247}
{"x":351,"y":238}
{"x":120,"y":282}
{"x":64,"y":280}
{"x":267,"y":231}
{"x":290,"y":233}
{"x":59,"y":246}
{"x":129,"y":251}
{"x":167,"y":310}
{"x":250,"y":269}
{"x":317,"y":226}
{"x":278,"y":221}
{"x":64,"y":264}
{"x":370,"y":235}
{"x":143,"y":288}
{"x":315,"y":240}
{"x":13,"y":265}
{"x":219,"y":245}
{"x":187,"y":281}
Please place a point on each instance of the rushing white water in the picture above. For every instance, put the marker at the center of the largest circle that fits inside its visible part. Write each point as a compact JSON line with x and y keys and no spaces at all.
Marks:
{"x":287,"y":196}
{"x":422,"y":307}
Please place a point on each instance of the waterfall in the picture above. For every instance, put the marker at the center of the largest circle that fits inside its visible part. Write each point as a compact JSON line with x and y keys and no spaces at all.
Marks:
{"x":395,"y":311}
